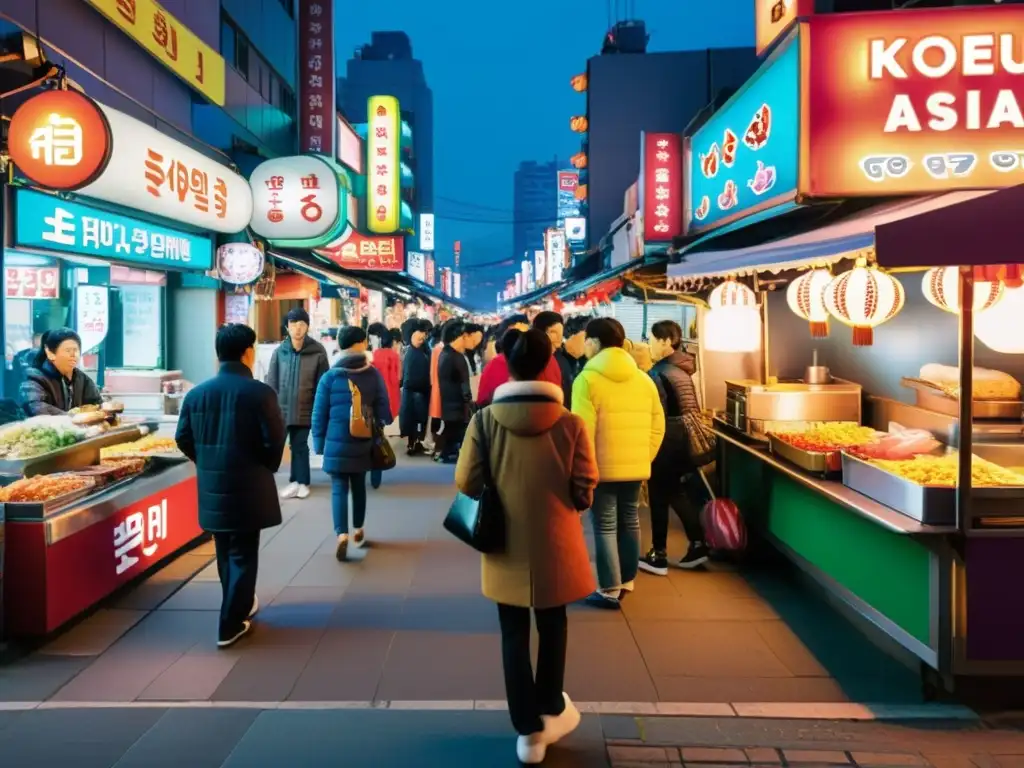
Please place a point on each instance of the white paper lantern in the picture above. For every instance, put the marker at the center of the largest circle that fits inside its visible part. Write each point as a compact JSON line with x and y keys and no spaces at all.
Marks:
{"x":732,"y":329}
{"x":732,"y":294}
{"x":941,"y":286}
{"x":806,"y":297}
{"x":863,"y":298}
{"x":1000,"y":328}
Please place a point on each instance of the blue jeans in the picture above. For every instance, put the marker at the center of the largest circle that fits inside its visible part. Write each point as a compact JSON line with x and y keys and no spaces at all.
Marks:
{"x":616,"y":512}
{"x":298,"y":439}
{"x":376,"y":475}
{"x":340,"y":487}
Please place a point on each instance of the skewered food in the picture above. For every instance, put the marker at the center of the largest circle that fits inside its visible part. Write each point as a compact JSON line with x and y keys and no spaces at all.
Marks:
{"x":37,"y":436}
{"x":828,"y":436}
{"x":987,"y":384}
{"x":151,"y":444}
{"x":43,"y":488}
{"x":940,"y":471}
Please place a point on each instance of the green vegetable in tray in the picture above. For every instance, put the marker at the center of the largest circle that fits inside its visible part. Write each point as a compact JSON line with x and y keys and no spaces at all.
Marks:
{"x":36,"y":437}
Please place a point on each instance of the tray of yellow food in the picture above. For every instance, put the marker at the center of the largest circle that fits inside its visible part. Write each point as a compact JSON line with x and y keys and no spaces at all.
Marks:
{"x":996,"y":395}
{"x":159,"y":449}
{"x":818,"y":446}
{"x":924,"y":487}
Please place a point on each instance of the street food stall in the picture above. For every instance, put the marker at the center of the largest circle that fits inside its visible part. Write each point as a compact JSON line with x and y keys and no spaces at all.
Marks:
{"x":89,"y":503}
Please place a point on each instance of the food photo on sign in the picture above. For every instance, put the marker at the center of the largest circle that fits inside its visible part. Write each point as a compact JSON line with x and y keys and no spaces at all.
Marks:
{"x":239,"y":263}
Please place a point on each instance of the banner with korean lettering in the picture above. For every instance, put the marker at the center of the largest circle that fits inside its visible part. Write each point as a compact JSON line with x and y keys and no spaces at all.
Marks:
{"x":172,"y":43}
{"x":662,"y":188}
{"x":317,"y":113}
{"x":383,"y":171}
{"x":363,"y":252}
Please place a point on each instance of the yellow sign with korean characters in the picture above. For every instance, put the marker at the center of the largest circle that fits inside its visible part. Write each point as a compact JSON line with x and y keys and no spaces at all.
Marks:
{"x":170,"y":41}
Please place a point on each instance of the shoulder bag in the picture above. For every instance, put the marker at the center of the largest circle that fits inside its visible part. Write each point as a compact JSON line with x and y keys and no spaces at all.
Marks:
{"x":480,"y":523}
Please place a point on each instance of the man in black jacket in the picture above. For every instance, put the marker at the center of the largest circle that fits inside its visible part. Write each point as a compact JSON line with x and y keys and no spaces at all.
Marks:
{"x":295,"y":370}
{"x":456,"y":393}
{"x":414,"y":413}
{"x":232,"y":428}
{"x":560,"y":333}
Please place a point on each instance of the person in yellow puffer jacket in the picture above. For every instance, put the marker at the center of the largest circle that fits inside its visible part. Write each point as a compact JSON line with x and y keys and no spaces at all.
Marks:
{"x":621,"y":408}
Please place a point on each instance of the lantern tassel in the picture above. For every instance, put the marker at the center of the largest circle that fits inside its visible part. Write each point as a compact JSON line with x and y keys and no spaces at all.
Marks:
{"x":819,"y":329}
{"x":863,"y":336}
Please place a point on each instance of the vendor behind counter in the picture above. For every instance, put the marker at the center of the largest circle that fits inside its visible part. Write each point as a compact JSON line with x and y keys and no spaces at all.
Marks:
{"x":54,"y":384}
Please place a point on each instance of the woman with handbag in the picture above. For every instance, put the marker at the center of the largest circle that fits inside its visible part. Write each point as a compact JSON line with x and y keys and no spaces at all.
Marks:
{"x":534,"y":456}
{"x":688,"y":445}
{"x":350,"y":410}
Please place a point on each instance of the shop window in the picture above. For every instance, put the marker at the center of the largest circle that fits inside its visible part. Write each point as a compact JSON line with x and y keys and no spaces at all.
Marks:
{"x":242,"y":56}
{"x":136,"y":338}
{"x":227,"y":41}
{"x":287,"y":101}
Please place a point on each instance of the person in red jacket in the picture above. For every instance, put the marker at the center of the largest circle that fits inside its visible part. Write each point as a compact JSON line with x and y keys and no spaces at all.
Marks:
{"x":496,"y":372}
{"x":385,"y":360}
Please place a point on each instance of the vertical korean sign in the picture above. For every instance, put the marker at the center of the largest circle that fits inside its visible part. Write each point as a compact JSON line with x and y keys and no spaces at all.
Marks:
{"x":382,"y":165}
{"x":662,"y":188}
{"x":317,"y":116}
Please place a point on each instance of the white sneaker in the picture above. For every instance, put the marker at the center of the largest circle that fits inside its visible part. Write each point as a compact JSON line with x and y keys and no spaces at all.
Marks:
{"x":557,"y":727}
{"x":531,"y":749}
{"x":227,"y":642}
{"x":341,"y":549}
{"x":290,"y":491}
{"x":255,"y":606}
{"x":303,"y":492}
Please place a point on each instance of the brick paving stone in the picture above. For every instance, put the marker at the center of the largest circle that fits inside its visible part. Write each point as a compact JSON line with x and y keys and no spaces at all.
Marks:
{"x":949,"y":761}
{"x":763,"y":755}
{"x":887,"y":759}
{"x":619,"y":754}
{"x":713,"y":755}
{"x":816,"y":756}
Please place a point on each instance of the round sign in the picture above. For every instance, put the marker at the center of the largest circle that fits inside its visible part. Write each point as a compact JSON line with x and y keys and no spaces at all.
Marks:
{"x":60,"y":140}
{"x":239,"y":263}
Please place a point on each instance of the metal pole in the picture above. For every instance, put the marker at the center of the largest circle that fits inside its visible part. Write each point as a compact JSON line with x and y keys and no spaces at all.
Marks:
{"x":965,"y":424}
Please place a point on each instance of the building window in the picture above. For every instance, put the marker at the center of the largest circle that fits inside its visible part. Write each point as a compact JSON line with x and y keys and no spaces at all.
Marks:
{"x":227,"y":41}
{"x":254,"y":69}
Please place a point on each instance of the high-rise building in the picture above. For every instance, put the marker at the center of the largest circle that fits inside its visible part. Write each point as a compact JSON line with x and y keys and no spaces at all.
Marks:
{"x":386,"y":66}
{"x":535,"y":204}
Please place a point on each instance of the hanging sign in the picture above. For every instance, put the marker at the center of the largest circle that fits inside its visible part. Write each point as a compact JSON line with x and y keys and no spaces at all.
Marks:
{"x":427,"y":231}
{"x":662,"y":166}
{"x":239,"y":263}
{"x":92,"y":315}
{"x":431,"y":271}
{"x":383,"y":179}
{"x":931,"y":103}
{"x":32,"y":282}
{"x":317,"y":112}
{"x":295,"y":199}
{"x":363,"y":252}
{"x":416,"y":265}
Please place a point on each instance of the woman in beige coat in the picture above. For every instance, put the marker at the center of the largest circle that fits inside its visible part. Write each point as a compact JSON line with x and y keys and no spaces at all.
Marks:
{"x":544,"y":471}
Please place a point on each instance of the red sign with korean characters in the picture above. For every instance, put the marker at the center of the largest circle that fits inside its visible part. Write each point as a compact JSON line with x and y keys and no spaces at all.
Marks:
{"x":294,"y":199}
{"x":430,"y":267}
{"x":662,"y":186}
{"x":316,"y":76}
{"x":78,"y":570}
{"x":383,"y":165}
{"x":359,"y":251}
{"x":32,"y":282}
{"x":926,"y":101}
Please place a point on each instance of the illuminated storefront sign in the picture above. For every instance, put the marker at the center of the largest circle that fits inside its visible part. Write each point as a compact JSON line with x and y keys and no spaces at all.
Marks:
{"x":576,"y":229}
{"x":383,"y":179}
{"x":350,"y":147}
{"x":567,"y":204}
{"x":431,"y":271}
{"x":358,"y":251}
{"x":744,"y":159}
{"x":540,"y":267}
{"x":47,"y":222}
{"x":317,"y":114}
{"x":31,"y":282}
{"x":427,"y":231}
{"x":554,"y":255}
{"x":931,"y":103}
{"x":772,"y":18}
{"x":662,"y":165}
{"x":170,"y":42}
{"x":416,"y":265}
{"x":297,"y":200}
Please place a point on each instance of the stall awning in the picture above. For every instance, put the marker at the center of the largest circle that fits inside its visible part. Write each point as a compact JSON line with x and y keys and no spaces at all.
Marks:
{"x":535,"y":295}
{"x":830,"y":243}
{"x":596,"y":279}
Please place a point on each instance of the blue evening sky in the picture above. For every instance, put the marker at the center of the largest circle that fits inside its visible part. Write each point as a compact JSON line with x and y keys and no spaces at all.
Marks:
{"x":500,"y":75}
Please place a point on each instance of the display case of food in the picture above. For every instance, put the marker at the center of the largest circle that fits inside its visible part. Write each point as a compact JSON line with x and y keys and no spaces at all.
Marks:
{"x":817,"y":448}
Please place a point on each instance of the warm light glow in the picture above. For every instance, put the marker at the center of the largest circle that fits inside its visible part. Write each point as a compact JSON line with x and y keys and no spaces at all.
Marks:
{"x":806,"y":297}
{"x":941,"y":286}
{"x":732,"y":329}
{"x":999,"y":328}
{"x":732,"y":294}
{"x":863,"y":298}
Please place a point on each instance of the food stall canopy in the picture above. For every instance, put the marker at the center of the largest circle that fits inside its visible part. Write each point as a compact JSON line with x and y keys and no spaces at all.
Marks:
{"x":534,"y":295}
{"x":834,"y":242}
{"x":312,"y":268}
{"x":607,"y":274}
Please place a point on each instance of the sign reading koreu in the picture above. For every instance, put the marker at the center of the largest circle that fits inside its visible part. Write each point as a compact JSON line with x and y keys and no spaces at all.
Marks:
{"x":926,"y":103}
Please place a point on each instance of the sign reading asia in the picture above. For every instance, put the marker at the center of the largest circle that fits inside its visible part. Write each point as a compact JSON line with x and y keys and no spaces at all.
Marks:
{"x":47,"y":222}
{"x":662,"y":203}
{"x":358,"y":251}
{"x":383,"y":172}
{"x":930,"y":104}
{"x":743,"y":160}
{"x":297,"y":201}
{"x":65,"y":141}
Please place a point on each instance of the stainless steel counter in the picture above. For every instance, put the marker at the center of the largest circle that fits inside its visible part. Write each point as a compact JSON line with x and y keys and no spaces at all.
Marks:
{"x":840,"y":494}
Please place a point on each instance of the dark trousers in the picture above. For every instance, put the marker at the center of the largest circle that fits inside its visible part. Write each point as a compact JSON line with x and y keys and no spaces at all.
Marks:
{"x":686,"y":495}
{"x":341,"y":485}
{"x":530,"y":697}
{"x":298,"y":439}
{"x":238,"y":556}
{"x":451,"y":438}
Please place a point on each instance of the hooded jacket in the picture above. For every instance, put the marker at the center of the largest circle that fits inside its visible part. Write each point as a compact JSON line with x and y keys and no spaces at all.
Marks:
{"x":619,"y":403}
{"x":332,"y":413}
{"x":542,"y":465}
{"x":673,"y":375}
{"x":496,"y":373}
{"x":294,"y":375}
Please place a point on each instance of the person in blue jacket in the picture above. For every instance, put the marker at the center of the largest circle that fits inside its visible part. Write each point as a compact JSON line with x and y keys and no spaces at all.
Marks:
{"x":347,"y":458}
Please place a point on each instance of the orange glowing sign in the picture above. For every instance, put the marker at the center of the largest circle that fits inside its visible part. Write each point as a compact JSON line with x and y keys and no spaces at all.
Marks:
{"x":772,"y":18}
{"x":928,"y":103}
{"x":60,"y":140}
{"x":579,"y":123}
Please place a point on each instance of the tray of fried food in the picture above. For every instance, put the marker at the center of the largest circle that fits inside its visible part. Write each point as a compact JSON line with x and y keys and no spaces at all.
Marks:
{"x":151,"y":446}
{"x":941,"y":471}
{"x":114,"y":469}
{"x":996,"y":395}
{"x":818,"y":447}
{"x":51,"y":490}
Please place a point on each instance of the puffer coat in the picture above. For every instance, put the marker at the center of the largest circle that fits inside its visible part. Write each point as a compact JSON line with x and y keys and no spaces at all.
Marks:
{"x":673,"y":376}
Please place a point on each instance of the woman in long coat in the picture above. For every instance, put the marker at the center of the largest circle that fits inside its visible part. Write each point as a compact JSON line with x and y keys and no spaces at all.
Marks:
{"x":414,"y":415}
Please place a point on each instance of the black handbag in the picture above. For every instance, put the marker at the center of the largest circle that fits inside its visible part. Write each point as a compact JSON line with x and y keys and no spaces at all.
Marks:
{"x":480,"y":523}
{"x":382,"y":455}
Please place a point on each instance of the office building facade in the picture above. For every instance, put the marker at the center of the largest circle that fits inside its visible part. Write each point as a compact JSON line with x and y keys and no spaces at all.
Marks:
{"x":534,"y":203}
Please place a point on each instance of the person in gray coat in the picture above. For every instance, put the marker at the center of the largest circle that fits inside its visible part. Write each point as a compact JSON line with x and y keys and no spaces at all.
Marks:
{"x":296,"y":368}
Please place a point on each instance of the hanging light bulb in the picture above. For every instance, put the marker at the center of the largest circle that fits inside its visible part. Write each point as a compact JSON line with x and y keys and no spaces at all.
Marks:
{"x":863,"y":298}
{"x":999,"y":328}
{"x":732,"y":329}
{"x":806,"y":297}
{"x":732,"y":294}
{"x":941,"y":286}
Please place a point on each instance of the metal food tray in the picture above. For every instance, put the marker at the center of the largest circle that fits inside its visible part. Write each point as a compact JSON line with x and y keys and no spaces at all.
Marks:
{"x":928,"y":504}
{"x":932,"y":398}
{"x":77,"y":456}
{"x":23,"y":509}
{"x":815,"y":462}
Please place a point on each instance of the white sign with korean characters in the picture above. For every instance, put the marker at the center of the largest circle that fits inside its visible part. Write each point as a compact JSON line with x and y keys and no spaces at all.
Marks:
{"x":139,"y":534}
{"x":427,"y":231}
{"x":149,"y":171}
{"x":416,"y":265}
{"x":92,"y":315}
{"x":294,"y":198}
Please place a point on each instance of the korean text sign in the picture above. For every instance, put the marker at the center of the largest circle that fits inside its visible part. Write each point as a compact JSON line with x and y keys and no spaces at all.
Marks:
{"x":31,"y":282}
{"x":663,"y":186}
{"x":317,"y":114}
{"x":383,"y":179}
{"x":358,"y":251}
{"x":928,"y":104}
{"x":296,"y":199}
{"x":744,"y":159}
{"x":47,"y":222}
{"x":171,"y":42}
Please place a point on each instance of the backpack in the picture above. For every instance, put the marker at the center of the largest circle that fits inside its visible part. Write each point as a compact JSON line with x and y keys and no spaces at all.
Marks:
{"x":358,"y":424}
